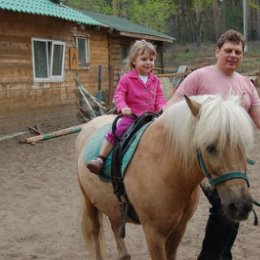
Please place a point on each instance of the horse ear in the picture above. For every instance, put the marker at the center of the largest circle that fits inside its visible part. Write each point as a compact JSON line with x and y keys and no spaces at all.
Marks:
{"x":193,"y":105}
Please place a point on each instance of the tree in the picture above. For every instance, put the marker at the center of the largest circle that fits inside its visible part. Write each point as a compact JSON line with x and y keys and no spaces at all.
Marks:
{"x":151,"y":13}
{"x":186,"y":20}
{"x":191,"y":18}
{"x":198,"y":10}
{"x":254,"y":28}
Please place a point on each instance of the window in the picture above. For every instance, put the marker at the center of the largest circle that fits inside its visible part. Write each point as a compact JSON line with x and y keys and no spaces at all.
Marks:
{"x":123,"y":53}
{"x":83,"y":49}
{"x":48,"y":59}
{"x":123,"y":62}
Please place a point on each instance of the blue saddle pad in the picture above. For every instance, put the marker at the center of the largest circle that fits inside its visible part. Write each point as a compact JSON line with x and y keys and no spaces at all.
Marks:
{"x":92,"y":147}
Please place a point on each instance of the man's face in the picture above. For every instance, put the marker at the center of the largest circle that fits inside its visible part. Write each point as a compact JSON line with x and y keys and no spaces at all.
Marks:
{"x":229,"y":57}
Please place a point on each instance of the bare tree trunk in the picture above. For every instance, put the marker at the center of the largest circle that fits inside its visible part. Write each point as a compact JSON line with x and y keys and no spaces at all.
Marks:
{"x":198,"y":35}
{"x":216,"y":18}
{"x":178,"y":23}
{"x":223,"y":15}
{"x":115,"y":7}
{"x":254,"y":28}
{"x":258,"y":22}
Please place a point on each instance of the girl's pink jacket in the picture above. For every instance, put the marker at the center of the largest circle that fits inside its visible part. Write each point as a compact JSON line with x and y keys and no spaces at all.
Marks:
{"x":133,"y":93}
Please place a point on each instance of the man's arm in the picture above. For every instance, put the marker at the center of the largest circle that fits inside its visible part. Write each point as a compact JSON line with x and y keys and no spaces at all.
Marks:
{"x":188,"y":87}
{"x":173,"y":100}
{"x":255,"y":115}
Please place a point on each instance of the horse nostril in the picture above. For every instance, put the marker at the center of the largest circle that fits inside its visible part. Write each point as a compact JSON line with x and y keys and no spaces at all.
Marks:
{"x":248,"y":207}
{"x":233,"y":209}
{"x":240,"y":212}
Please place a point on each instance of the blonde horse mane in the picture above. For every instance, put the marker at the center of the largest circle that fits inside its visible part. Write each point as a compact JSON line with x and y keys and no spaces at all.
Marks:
{"x":220,"y":122}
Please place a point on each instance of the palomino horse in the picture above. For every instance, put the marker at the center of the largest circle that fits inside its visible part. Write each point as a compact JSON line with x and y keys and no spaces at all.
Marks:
{"x":196,"y":136}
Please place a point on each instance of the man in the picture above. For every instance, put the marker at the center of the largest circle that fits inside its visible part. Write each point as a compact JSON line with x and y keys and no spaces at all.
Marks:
{"x":221,"y":79}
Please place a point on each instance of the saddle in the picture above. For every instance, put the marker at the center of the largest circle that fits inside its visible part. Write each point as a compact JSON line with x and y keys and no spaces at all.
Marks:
{"x":118,"y":152}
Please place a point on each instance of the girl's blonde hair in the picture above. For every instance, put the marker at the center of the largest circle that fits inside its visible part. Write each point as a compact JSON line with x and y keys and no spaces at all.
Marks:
{"x":138,"y":48}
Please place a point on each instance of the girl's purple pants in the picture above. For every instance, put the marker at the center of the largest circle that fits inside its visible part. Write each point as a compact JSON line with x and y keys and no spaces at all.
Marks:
{"x":122,"y":125}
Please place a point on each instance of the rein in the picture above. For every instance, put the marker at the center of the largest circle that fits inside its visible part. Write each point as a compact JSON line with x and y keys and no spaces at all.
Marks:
{"x":226,"y":176}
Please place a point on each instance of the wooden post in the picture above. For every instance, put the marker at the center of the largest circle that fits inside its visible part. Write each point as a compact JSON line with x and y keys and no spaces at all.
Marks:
{"x":110,"y":86}
{"x":91,"y":111}
{"x":99,"y":94}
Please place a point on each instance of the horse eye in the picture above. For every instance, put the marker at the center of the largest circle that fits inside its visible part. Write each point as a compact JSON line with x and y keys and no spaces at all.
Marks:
{"x":212,"y":148}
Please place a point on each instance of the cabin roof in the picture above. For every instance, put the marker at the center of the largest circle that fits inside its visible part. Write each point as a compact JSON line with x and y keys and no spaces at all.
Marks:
{"x":48,"y":8}
{"x":56,"y":9}
{"x":128,"y":28}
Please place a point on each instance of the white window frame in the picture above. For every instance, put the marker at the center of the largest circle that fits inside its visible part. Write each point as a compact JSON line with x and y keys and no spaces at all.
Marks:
{"x":87,"y":54}
{"x":50,"y":56}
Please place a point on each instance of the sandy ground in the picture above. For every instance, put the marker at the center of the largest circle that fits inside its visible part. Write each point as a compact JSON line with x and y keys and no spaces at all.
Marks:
{"x":40,"y":204}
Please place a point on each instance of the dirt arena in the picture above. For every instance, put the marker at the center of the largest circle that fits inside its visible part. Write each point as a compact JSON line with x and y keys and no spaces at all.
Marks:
{"x":40,"y":207}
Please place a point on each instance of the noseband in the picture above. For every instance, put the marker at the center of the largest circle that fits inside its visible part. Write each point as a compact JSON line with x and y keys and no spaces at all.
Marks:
{"x":226,"y":176}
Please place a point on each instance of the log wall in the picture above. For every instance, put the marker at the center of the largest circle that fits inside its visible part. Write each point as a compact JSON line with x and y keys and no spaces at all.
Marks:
{"x":23,"y":100}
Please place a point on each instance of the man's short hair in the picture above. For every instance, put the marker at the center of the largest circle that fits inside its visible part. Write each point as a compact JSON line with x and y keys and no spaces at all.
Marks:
{"x":231,"y":36}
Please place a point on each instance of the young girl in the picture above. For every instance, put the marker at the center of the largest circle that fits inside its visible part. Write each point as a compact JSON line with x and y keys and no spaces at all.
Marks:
{"x":138,"y":91}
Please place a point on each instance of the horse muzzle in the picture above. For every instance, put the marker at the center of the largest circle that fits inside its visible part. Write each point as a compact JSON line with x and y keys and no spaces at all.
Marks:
{"x":235,"y":198}
{"x":236,"y":207}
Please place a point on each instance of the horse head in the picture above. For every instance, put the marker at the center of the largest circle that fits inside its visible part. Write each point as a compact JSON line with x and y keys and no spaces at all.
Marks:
{"x":223,"y":136}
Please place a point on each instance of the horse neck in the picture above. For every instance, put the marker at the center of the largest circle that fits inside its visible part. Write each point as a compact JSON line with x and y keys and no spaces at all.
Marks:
{"x":172,"y":168}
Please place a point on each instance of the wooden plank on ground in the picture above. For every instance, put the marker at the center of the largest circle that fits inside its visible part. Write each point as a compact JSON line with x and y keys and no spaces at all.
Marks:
{"x":70,"y":130}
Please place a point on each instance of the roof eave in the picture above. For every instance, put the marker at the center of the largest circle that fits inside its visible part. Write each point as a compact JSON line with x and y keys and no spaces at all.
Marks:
{"x":146,"y":36}
{"x":93,"y":22}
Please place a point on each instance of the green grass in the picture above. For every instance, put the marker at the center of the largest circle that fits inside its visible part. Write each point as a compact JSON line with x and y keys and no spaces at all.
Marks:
{"x":188,"y":54}
{"x":185,"y":56}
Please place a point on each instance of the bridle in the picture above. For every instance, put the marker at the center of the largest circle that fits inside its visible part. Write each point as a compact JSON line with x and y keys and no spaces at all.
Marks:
{"x":226,"y":176}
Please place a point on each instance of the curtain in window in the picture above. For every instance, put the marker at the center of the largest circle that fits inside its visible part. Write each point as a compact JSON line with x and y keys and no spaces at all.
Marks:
{"x":82,"y":51}
{"x":57,"y":60}
{"x":40,"y":59}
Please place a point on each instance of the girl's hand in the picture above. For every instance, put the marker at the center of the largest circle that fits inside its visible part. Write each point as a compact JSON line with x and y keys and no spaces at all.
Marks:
{"x":162,"y":109}
{"x":126,"y":111}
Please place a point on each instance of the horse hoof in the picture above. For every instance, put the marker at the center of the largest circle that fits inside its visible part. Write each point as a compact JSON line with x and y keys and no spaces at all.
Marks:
{"x":124,"y":257}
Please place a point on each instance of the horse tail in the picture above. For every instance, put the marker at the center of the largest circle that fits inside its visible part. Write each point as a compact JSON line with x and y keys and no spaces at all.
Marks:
{"x":92,"y":228}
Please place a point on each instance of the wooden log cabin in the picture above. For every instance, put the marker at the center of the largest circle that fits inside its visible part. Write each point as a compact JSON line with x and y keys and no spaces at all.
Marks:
{"x":44,"y":47}
{"x":121,"y":34}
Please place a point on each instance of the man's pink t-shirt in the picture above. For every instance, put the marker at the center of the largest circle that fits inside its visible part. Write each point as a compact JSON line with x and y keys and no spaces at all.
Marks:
{"x":210,"y":80}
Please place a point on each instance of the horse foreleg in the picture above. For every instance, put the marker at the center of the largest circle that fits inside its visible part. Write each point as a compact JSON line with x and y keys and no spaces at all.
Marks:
{"x":156,"y":243}
{"x":120,"y":242}
{"x":173,"y":241}
{"x":92,"y":229}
